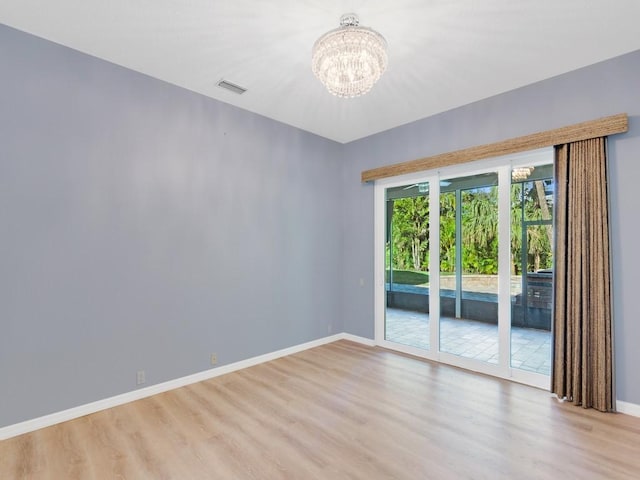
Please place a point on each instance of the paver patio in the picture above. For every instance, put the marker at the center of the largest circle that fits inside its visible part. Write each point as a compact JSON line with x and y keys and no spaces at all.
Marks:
{"x":530,"y":348}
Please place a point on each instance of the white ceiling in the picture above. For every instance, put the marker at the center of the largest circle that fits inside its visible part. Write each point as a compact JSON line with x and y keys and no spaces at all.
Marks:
{"x":442,"y":53}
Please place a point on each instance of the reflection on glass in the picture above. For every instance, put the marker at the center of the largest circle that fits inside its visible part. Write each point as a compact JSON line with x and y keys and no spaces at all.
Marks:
{"x":532,"y":270}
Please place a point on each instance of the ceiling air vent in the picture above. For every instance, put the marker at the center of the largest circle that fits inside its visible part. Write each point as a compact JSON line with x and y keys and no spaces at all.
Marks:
{"x":232,"y":87}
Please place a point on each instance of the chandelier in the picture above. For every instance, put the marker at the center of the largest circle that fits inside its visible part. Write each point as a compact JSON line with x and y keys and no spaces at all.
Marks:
{"x":350,"y":59}
{"x":520,"y":174}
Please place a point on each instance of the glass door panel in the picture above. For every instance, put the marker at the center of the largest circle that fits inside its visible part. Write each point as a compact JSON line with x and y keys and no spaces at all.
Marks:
{"x":407,"y":265}
{"x":469,"y":267}
{"x":532,"y":198}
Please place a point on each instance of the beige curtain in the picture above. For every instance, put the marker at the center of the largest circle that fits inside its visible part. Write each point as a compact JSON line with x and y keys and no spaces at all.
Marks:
{"x":582,"y":363}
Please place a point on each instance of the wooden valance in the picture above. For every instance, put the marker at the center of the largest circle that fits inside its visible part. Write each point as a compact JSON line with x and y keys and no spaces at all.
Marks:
{"x":581,"y":131}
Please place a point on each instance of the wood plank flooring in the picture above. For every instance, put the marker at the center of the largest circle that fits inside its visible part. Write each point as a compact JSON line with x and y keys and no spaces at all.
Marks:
{"x":339,"y":411}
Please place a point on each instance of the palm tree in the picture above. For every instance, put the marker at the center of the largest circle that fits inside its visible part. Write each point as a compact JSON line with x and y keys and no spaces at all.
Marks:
{"x":480,"y":230}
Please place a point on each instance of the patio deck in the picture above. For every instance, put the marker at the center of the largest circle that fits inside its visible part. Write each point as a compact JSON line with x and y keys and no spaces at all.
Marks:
{"x":530,"y":348}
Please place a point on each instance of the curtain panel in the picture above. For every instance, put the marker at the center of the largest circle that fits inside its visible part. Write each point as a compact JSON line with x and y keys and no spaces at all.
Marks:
{"x":582,"y":360}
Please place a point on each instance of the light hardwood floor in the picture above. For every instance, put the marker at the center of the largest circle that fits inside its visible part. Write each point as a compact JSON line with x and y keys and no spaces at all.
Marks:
{"x":338,"y":411}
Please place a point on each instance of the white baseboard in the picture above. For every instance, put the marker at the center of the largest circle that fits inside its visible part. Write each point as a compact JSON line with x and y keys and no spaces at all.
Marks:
{"x":354,"y":338}
{"x":93,"y":407}
{"x":628,"y":408}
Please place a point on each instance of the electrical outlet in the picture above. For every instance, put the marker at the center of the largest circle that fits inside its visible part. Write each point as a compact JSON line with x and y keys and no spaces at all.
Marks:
{"x":214,"y":358}
{"x":140,"y":377}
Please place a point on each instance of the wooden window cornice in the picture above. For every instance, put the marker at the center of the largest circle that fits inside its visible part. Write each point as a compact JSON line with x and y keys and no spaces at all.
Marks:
{"x":572,"y":133}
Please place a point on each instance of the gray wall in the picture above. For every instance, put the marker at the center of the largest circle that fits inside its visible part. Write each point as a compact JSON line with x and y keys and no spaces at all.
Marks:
{"x":600,"y":90}
{"x":143,"y":227}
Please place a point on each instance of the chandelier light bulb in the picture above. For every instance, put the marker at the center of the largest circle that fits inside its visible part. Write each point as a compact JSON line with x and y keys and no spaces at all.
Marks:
{"x":520,"y":174}
{"x":350,"y":59}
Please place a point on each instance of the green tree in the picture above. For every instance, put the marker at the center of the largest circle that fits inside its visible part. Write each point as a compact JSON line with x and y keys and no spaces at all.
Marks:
{"x":410,"y":229}
{"x":480,"y":230}
{"x":447,"y":232}
{"x":479,"y":236}
{"x":516,"y":227}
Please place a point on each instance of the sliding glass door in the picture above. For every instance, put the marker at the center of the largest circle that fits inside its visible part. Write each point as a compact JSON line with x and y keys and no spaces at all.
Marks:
{"x":532,"y":201}
{"x":469,"y":267}
{"x":465,"y":265}
{"x":407,"y":265}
